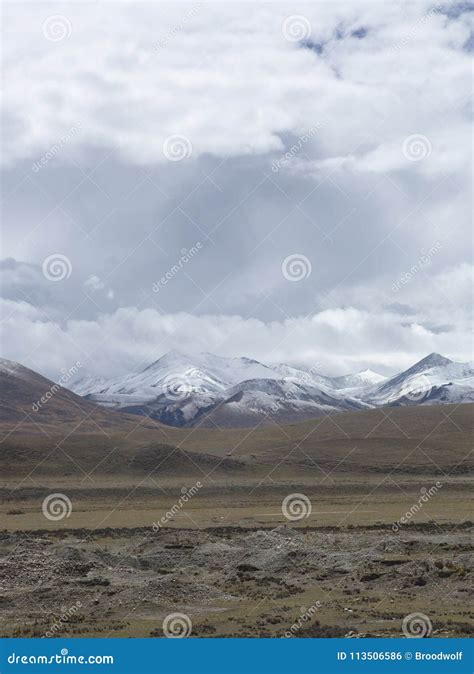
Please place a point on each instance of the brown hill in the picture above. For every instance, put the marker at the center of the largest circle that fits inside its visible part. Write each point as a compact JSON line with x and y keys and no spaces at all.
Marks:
{"x":31,"y":403}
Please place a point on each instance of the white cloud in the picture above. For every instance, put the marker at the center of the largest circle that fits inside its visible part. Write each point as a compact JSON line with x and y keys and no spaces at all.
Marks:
{"x":224,"y":76}
{"x":129,"y":75}
{"x":336,"y":340}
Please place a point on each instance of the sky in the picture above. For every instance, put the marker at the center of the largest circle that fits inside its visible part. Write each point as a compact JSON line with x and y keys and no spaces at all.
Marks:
{"x":286,"y":181}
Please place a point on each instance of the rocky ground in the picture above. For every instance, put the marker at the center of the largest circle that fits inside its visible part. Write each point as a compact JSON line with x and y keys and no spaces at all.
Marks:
{"x":233,"y":581}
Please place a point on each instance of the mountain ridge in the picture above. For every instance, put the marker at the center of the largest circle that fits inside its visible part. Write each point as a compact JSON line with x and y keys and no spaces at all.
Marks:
{"x":181,"y":389}
{"x":185,"y":389}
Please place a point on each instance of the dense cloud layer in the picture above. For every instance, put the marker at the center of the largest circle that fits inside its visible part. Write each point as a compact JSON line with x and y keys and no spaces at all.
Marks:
{"x":333,"y":131}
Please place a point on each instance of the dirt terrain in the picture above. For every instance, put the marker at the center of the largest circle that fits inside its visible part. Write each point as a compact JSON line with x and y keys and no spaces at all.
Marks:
{"x":233,"y":581}
{"x":380,"y":531}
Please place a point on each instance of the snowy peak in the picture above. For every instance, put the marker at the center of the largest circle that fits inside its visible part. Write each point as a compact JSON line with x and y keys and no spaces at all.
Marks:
{"x":433,"y":360}
{"x":185,"y":389}
{"x":433,"y":380}
{"x":172,"y":358}
{"x":359,"y":379}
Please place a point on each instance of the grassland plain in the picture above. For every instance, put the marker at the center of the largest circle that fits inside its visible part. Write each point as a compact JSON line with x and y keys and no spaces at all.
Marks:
{"x":383,"y":533}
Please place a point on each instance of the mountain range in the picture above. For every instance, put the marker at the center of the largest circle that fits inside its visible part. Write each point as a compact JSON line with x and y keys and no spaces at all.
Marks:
{"x":185,"y":390}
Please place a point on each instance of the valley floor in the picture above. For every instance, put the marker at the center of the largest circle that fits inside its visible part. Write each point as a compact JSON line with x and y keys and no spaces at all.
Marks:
{"x":333,"y":527}
{"x":237,"y":568}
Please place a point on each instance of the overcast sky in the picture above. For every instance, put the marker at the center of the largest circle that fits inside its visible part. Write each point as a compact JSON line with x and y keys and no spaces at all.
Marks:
{"x":286,"y":182}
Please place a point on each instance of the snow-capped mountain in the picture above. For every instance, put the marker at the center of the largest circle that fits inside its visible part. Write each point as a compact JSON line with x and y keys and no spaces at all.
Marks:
{"x":358,"y":381}
{"x":183,"y":390}
{"x":433,"y":380}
